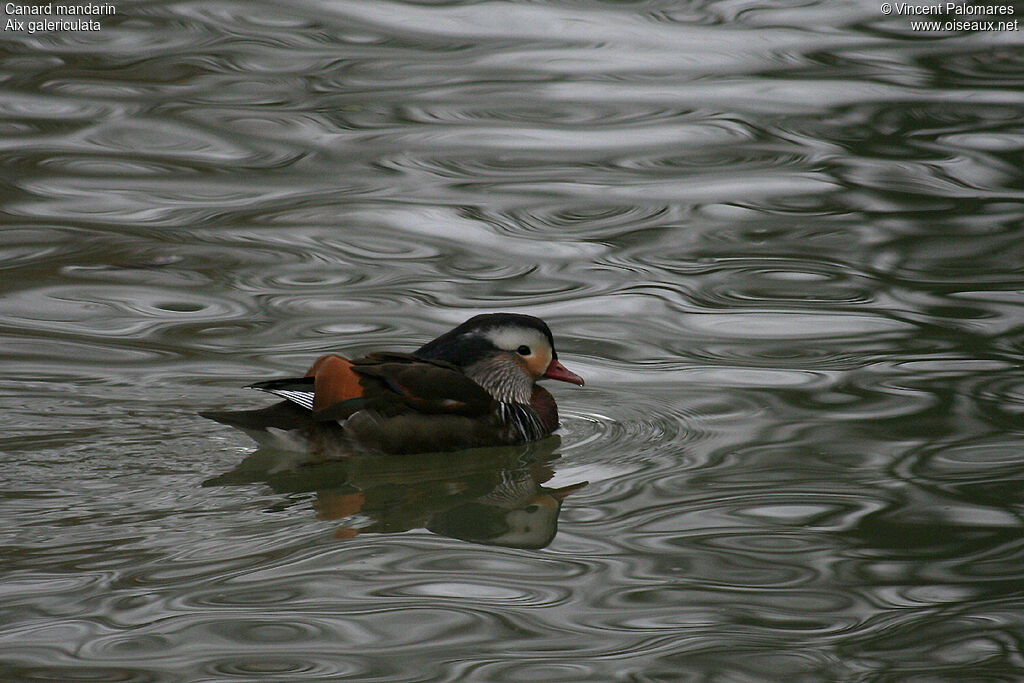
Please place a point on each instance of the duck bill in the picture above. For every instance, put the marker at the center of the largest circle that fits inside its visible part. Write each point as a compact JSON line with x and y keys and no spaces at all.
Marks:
{"x":557,"y":371}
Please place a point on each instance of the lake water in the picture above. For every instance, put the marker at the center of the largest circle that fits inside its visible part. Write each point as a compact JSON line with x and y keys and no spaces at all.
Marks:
{"x":782,"y":241}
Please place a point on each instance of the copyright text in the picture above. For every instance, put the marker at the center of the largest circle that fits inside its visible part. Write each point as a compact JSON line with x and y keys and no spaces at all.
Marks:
{"x":953,"y":16}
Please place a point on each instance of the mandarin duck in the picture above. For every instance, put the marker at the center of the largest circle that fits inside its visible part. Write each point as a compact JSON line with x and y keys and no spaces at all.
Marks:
{"x":473,"y":386}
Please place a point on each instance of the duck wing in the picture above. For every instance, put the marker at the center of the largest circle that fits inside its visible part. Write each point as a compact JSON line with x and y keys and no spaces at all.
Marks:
{"x":389,"y":384}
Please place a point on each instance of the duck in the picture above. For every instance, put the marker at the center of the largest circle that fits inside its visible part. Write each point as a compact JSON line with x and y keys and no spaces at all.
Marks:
{"x":474,"y":386}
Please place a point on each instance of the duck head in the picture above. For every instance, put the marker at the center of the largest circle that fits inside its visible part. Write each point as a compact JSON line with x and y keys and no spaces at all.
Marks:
{"x":505,"y":353}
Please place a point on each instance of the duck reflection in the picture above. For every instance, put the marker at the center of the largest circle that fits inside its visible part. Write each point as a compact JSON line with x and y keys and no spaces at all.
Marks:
{"x":488,"y":496}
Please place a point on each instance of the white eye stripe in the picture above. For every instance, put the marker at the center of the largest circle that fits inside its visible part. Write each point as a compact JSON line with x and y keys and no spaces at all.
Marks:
{"x":511,"y":338}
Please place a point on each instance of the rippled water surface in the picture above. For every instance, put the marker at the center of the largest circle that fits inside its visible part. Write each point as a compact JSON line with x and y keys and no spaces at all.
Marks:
{"x":782,"y":241}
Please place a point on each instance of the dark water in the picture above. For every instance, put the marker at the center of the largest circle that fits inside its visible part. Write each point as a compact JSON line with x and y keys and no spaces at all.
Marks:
{"x":781,"y":241}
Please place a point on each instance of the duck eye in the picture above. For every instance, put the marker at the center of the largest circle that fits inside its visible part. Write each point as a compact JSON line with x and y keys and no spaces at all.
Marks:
{"x":523,"y":350}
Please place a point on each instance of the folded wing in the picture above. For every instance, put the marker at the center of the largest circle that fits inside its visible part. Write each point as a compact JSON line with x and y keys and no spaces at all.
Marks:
{"x":389,"y":384}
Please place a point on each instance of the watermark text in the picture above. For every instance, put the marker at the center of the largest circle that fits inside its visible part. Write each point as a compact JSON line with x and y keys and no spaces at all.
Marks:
{"x":55,"y":16}
{"x":953,"y":16}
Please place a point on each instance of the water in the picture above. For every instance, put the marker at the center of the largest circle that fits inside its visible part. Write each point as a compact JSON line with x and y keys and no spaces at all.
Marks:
{"x":781,"y":241}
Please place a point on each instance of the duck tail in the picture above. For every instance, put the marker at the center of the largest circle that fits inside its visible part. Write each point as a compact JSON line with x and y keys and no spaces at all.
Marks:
{"x":284,"y":415}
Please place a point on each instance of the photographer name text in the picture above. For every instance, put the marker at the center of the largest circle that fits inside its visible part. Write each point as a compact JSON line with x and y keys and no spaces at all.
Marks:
{"x":934,"y":17}
{"x":905,"y":9}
